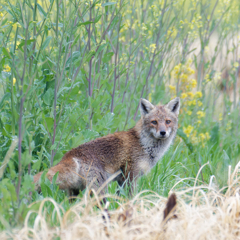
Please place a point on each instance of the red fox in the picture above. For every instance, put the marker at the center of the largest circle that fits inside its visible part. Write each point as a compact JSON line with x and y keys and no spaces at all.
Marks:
{"x":133,"y":152}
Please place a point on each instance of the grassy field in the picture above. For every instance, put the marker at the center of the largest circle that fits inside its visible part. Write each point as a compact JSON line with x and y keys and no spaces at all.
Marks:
{"x":72,"y":71}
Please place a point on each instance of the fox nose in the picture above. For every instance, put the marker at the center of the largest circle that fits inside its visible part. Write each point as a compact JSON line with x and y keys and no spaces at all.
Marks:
{"x":163,"y":133}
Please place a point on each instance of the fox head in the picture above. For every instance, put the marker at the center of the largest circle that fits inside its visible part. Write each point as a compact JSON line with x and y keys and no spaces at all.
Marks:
{"x":160,"y":122}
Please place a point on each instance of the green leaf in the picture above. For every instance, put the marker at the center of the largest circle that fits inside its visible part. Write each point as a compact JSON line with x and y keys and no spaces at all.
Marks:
{"x":42,"y":12}
{"x":35,"y":206}
{"x":44,"y":189}
{"x":185,"y":139}
{"x":6,"y":53}
{"x":43,"y":129}
{"x":106,"y":122}
{"x":26,"y":158}
{"x":55,"y":178}
{"x":75,"y":41}
{"x":28,"y":183}
{"x":51,"y":61}
{"x":49,"y":122}
{"x":48,"y":96}
{"x":4,"y":98}
{"x":75,"y":56}
{"x":101,"y":48}
{"x":88,"y":57}
{"x":214,"y":134}
{"x":226,"y":158}
{"x":97,"y":18}
{"x":12,"y":191}
{"x":46,"y":42}
{"x":108,"y":4}
{"x":59,"y":24}
{"x":54,"y":146}
{"x":107,"y":57}
{"x":89,"y":135}
{"x":44,"y":183}
{"x":89,"y":22}
{"x":29,"y":41}
{"x":37,"y":165}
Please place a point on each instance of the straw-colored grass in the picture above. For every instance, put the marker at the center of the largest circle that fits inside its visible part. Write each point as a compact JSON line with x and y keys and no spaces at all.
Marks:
{"x":203,"y":212}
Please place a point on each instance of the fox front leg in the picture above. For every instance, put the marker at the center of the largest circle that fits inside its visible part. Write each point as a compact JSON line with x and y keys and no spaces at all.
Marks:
{"x":132,"y":186}
{"x":96,"y":180}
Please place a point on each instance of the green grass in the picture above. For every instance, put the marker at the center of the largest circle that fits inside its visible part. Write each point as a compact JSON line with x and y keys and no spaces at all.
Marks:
{"x":72,"y":71}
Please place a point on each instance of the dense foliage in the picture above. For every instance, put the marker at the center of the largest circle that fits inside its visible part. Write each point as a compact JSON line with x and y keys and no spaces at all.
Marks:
{"x":72,"y":71}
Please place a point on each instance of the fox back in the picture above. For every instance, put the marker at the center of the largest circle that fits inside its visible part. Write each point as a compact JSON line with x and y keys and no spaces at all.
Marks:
{"x":132,"y":153}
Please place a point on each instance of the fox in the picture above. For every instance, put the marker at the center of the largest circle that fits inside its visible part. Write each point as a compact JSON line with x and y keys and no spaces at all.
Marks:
{"x":127,"y":154}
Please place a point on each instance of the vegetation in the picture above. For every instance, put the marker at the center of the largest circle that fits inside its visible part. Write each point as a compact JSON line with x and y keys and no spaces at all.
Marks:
{"x":72,"y":71}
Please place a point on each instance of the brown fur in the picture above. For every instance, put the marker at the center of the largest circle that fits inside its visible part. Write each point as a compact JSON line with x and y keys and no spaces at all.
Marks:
{"x":134,"y":152}
{"x":170,"y":207}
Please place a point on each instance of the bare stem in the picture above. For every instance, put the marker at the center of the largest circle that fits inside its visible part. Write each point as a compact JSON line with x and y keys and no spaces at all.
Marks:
{"x":20,"y":132}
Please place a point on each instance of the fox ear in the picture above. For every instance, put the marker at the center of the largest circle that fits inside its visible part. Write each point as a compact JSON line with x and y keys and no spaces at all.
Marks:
{"x":174,"y":105}
{"x":145,"y":106}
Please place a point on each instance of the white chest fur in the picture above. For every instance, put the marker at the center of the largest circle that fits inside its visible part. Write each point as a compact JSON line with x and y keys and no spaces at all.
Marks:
{"x":154,"y":149}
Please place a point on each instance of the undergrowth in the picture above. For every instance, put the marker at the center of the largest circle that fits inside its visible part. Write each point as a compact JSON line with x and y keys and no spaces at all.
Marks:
{"x":72,"y":71}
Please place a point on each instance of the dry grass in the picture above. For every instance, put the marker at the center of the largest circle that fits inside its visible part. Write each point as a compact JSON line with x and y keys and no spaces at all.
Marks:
{"x":203,"y":212}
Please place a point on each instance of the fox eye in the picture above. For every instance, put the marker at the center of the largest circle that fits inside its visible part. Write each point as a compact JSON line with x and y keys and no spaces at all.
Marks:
{"x":154,"y":122}
{"x":168,"y":121}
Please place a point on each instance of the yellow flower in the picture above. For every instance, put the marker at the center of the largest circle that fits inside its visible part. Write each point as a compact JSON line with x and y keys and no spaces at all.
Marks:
{"x":194,"y":139}
{"x":207,"y":135}
{"x":176,"y":69}
{"x":17,"y":44}
{"x":200,"y":103}
{"x":16,"y":24}
{"x":220,"y":117}
{"x":229,"y":126}
{"x":189,"y":113}
{"x":122,"y":39}
{"x":143,"y":27}
{"x":190,"y":70}
{"x":202,"y":136}
{"x":184,"y":77}
{"x":199,"y":122}
{"x":236,"y":64}
{"x":172,"y":89}
{"x":194,"y":102}
{"x":206,"y":49}
{"x":189,"y":61}
{"x":98,"y":5}
{"x":190,"y":94}
{"x":201,"y":114}
{"x":1,"y":15}
{"x":198,"y":94}
{"x":217,"y":76}
{"x":150,"y":97}
{"x":152,"y":47}
{"x":172,"y":32}
{"x":207,"y":76}
{"x":183,"y":95}
{"x":14,"y":81}
{"x":7,"y":68}
{"x":188,"y":130}
{"x":194,"y":83}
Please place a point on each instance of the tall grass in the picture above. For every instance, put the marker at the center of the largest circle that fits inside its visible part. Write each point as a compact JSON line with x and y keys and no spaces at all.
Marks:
{"x":202,"y":212}
{"x":72,"y":71}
